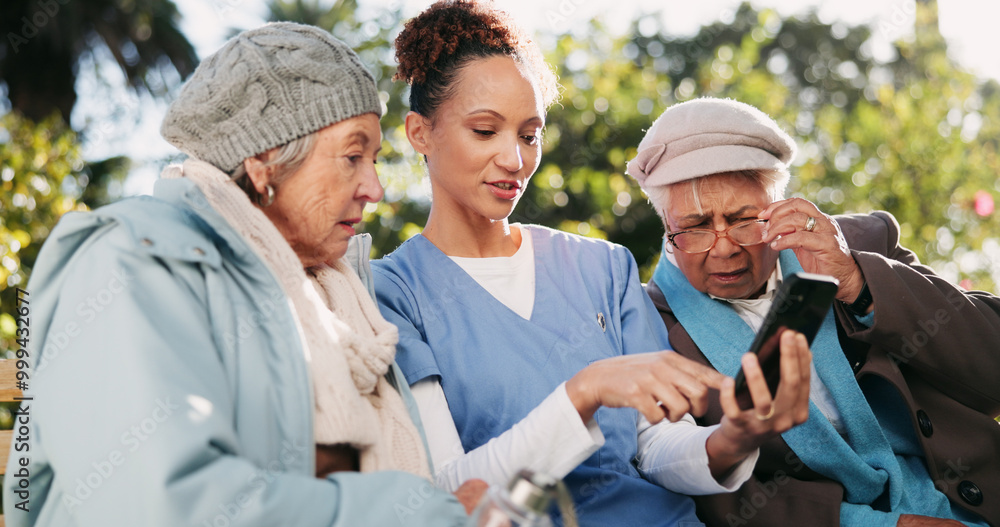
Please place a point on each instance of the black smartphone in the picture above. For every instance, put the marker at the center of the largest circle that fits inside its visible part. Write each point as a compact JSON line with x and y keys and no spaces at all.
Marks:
{"x":801,"y":304}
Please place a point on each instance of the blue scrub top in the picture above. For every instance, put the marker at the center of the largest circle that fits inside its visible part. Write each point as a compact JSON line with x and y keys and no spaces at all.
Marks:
{"x":495,"y":366}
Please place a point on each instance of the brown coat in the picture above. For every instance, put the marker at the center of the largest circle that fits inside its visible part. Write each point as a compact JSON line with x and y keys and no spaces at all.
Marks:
{"x":937,"y":344}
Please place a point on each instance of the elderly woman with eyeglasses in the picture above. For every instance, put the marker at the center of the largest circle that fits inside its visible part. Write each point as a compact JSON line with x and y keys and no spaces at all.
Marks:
{"x":212,"y":355}
{"x":904,"y":391}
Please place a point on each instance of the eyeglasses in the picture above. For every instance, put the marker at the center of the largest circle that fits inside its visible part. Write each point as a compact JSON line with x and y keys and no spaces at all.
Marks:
{"x":696,"y":241}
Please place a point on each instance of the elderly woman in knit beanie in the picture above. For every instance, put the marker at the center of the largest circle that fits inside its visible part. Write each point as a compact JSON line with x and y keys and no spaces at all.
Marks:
{"x":904,"y":370}
{"x":210,"y":355}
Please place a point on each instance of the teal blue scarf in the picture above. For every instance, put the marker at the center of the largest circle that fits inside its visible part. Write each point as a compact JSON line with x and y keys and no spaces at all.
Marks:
{"x":866,"y":463}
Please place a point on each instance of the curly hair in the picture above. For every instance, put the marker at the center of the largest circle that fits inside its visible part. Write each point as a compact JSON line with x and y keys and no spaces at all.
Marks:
{"x":435,"y":45}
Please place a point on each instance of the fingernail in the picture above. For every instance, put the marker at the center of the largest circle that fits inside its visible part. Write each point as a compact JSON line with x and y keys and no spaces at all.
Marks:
{"x":774,"y":244}
{"x":763,"y":234}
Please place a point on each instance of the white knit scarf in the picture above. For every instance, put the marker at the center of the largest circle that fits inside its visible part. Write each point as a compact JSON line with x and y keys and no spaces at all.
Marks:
{"x":347,"y":343}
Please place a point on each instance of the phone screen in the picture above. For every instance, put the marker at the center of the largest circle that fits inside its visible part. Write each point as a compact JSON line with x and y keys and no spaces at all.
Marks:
{"x":801,"y":304}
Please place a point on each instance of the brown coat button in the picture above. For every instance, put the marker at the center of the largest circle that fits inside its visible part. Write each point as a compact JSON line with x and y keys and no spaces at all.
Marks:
{"x":924,"y":422}
{"x":970,"y":493}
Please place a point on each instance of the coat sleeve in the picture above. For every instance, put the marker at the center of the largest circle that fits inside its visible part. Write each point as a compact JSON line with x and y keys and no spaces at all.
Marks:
{"x":944,"y":333}
{"x":398,"y":306}
{"x":778,"y":500}
{"x":642,"y":329}
{"x":134,"y":415}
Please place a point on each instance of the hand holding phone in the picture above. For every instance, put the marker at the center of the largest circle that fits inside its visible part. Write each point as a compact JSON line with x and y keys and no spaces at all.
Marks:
{"x":743,"y":431}
{"x":801,"y":305}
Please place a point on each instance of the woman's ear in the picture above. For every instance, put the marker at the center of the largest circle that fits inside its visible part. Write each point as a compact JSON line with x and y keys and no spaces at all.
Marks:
{"x":258,"y":171}
{"x":418,"y":131}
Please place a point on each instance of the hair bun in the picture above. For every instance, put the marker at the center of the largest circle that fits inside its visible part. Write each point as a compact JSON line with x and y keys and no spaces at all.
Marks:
{"x":429,"y":40}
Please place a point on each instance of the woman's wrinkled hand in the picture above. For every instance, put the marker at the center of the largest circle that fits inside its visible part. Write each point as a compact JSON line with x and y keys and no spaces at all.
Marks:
{"x":660,"y":385}
{"x":743,"y":431}
{"x":821,"y":249}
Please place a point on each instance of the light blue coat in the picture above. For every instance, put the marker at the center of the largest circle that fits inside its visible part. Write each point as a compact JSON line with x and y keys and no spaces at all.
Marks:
{"x":172,"y":389}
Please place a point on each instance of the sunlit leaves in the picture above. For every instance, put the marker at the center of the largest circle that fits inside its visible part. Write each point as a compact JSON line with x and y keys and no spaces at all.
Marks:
{"x":37,"y":162}
{"x":909,"y":132}
{"x":916,"y":136}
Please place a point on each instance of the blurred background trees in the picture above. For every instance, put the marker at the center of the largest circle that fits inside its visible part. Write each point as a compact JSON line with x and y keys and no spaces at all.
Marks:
{"x":45,"y":40}
{"x":912,"y":133}
{"x":42,"y":172}
{"x":915,"y":135}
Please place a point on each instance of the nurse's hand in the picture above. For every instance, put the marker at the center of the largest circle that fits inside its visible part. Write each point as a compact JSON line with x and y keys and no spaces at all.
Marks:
{"x":741,"y":432}
{"x":661,"y":385}
{"x":470,"y":493}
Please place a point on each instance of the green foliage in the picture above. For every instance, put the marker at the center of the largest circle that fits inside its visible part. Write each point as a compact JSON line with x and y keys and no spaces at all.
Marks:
{"x":41,"y":174}
{"x":45,"y":41}
{"x":915,"y":136}
{"x":41,"y":170}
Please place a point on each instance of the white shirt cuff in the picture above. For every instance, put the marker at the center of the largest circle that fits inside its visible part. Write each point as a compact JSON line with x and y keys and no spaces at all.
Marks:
{"x":578,"y":440}
{"x":674,"y":455}
{"x":551,"y":439}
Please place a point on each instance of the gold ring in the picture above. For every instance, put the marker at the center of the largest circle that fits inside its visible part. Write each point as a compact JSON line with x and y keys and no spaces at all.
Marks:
{"x":765,"y":417}
{"x":810,"y":223}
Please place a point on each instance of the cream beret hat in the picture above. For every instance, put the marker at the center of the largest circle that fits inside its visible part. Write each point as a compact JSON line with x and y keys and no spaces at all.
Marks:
{"x":709,"y":136}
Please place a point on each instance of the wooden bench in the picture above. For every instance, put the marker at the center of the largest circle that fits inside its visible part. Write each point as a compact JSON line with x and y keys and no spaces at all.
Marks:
{"x":8,"y":379}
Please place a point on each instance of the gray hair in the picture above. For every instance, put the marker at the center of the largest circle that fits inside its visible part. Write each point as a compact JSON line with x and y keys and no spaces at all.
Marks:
{"x":772,"y":181}
{"x":288,"y":160}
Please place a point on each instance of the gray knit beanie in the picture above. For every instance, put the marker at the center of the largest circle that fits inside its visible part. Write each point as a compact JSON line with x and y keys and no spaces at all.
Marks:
{"x":265,"y":88}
